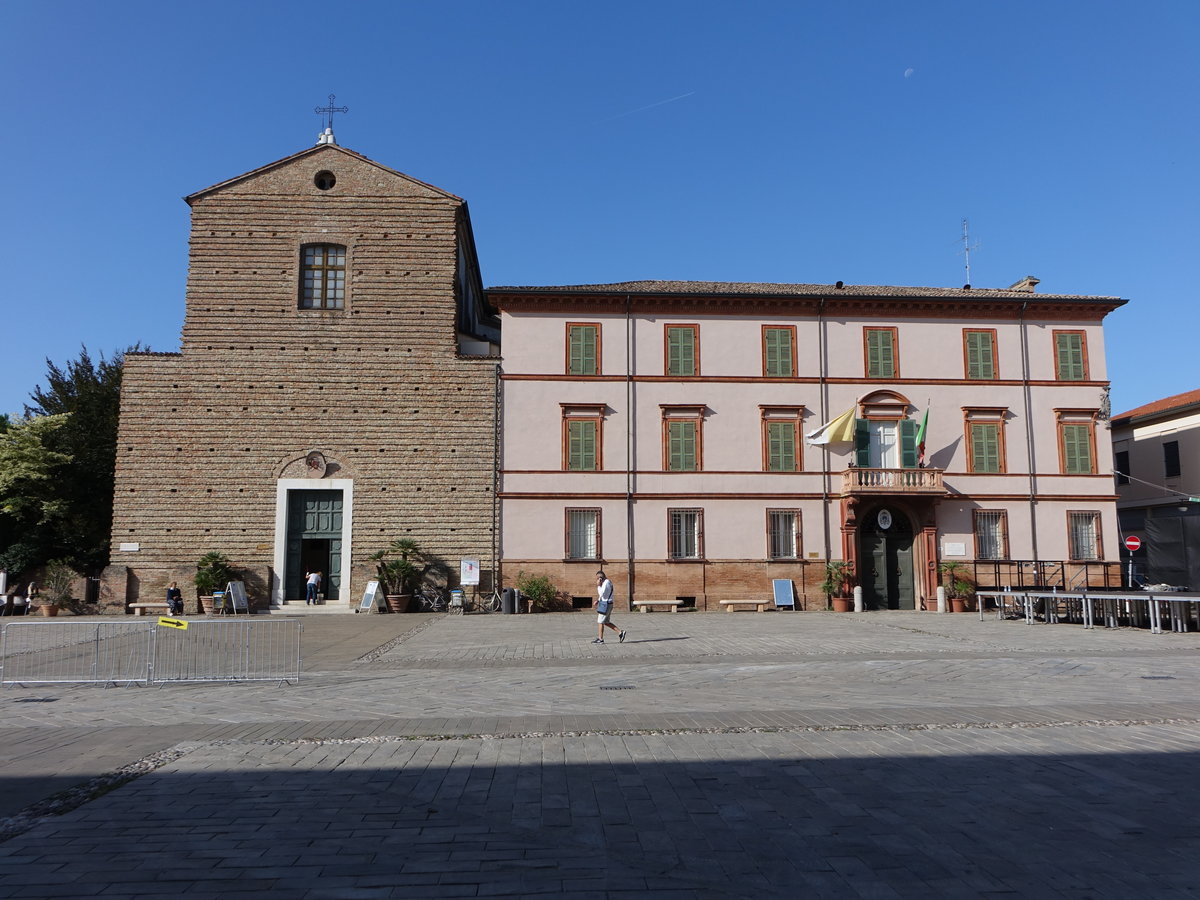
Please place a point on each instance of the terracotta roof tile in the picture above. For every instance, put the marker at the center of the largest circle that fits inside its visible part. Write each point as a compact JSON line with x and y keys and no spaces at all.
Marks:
{"x":1158,"y":407}
{"x":794,"y":290}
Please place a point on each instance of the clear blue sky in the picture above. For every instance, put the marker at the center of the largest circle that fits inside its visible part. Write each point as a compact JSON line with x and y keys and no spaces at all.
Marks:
{"x":748,"y":141}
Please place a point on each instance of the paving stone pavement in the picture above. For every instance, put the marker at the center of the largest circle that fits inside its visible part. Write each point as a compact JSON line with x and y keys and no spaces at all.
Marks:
{"x":709,"y":756}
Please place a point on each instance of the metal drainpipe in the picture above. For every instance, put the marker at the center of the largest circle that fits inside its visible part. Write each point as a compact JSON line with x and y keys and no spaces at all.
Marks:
{"x":629,"y":425}
{"x":1029,"y":442}
{"x":823,"y":395}
{"x":497,"y":411}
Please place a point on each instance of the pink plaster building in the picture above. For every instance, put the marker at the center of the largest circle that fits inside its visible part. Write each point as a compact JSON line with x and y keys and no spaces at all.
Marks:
{"x":673,"y":433}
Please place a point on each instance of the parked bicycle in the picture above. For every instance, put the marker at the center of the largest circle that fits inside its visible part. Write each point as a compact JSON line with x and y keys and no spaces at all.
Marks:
{"x":432,"y":599}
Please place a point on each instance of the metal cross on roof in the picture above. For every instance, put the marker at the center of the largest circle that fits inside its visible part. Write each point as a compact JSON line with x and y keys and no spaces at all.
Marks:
{"x":328,"y":111}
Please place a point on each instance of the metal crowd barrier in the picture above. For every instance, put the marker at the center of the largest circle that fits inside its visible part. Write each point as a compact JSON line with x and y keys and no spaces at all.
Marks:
{"x":1140,"y":609}
{"x":140,"y":652}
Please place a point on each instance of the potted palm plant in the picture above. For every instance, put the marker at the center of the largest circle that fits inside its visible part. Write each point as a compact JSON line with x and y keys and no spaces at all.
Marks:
{"x":399,"y":568}
{"x":958,"y":586}
{"x":60,"y":579}
{"x":836,"y":585}
{"x":213,"y":572}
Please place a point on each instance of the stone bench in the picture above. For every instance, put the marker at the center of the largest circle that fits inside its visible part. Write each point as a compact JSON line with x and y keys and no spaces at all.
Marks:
{"x":759,"y":605}
{"x":646,"y":605}
{"x":139,"y":609}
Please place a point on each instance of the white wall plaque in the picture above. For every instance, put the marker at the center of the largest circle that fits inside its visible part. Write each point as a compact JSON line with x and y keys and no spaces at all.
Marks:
{"x":130,"y":548}
{"x":949,"y":549}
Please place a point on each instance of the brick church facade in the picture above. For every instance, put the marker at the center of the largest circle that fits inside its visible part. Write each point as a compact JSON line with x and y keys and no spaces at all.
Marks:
{"x":335,"y":388}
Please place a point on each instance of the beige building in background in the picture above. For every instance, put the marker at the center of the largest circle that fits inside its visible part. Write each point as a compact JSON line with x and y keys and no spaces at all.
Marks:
{"x":1156,"y":448}
{"x":658,"y":429}
{"x":335,"y":388}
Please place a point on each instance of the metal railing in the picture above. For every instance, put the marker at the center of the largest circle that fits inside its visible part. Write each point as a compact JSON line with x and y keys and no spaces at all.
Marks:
{"x":148,"y":653}
{"x":1044,"y":573}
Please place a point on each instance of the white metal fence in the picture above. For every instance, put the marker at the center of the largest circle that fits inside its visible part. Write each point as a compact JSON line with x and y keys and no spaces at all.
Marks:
{"x":146,"y":652}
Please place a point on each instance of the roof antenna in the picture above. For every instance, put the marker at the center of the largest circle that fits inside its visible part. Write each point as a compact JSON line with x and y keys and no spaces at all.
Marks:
{"x":967,"y":248}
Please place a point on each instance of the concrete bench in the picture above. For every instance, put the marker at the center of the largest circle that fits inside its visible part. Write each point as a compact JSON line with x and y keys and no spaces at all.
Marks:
{"x":139,"y":609}
{"x":759,"y":605}
{"x":646,"y":605}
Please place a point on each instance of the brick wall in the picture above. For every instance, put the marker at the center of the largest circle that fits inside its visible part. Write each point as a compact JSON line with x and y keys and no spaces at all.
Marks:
{"x":377,"y":387}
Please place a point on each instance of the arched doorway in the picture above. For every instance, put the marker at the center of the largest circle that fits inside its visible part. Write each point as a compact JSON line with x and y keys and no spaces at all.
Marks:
{"x":885,"y":559}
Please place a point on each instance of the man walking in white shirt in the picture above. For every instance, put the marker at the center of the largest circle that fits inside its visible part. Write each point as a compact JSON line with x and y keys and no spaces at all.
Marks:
{"x":604,"y":605}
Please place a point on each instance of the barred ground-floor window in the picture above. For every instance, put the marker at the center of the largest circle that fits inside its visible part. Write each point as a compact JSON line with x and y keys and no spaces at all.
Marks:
{"x":685,"y":533}
{"x":783,"y":533}
{"x":1084,"y":535}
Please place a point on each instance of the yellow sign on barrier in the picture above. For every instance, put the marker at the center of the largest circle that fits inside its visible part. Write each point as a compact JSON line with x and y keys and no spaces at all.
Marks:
{"x":173,"y":623}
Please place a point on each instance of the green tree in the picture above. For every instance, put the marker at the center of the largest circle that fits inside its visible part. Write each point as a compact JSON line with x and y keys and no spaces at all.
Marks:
{"x":31,"y":505}
{"x":88,"y":393}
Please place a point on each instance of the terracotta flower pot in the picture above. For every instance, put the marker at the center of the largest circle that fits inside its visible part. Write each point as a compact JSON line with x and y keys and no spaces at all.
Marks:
{"x":49,"y":609}
{"x":842,"y":604}
{"x":958,"y":604}
{"x":398,"y":603}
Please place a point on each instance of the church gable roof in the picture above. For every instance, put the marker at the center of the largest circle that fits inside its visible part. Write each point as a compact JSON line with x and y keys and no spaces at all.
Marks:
{"x":399,"y":182}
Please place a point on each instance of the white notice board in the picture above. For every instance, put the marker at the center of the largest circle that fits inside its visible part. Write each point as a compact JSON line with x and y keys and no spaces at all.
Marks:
{"x":368,"y":600}
{"x":468,"y":571}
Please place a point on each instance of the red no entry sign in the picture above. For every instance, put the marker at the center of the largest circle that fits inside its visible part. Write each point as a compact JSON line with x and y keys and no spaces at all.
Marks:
{"x":1133,"y":543}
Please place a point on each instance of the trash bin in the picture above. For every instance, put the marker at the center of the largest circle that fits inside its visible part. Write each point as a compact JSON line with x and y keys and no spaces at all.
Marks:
{"x":456,"y":599}
{"x":508,"y":601}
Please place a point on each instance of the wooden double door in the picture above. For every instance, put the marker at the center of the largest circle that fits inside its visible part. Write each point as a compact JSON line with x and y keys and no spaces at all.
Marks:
{"x":314,"y":542}
{"x":885,"y":569}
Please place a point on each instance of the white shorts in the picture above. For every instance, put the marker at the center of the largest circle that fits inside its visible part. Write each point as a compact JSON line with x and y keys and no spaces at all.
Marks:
{"x":602,"y":618}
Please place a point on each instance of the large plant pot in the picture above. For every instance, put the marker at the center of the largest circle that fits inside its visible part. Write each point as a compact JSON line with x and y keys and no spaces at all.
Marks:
{"x":958,"y":604}
{"x":206,"y":604}
{"x":842,"y":604}
{"x":398,"y":603}
{"x":49,"y":609}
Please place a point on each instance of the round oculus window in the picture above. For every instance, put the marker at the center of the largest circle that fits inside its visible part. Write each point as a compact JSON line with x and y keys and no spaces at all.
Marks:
{"x":324,"y":180}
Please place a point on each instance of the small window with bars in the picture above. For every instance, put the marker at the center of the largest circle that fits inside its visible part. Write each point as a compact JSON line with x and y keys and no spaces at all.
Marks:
{"x":783,"y":534}
{"x":323,"y":276}
{"x":1084,"y":535}
{"x":685,"y":535}
{"x":991,"y":534}
{"x":583,"y":534}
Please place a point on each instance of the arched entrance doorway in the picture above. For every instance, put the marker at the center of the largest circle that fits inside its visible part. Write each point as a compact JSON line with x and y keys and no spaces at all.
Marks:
{"x":885,"y":555}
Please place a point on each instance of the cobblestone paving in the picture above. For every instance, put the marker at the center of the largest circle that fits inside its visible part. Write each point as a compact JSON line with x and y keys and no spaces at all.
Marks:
{"x":745,"y":755}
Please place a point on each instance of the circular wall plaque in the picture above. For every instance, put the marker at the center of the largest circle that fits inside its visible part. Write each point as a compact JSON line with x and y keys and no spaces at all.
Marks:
{"x":314,"y":464}
{"x":885,"y":519}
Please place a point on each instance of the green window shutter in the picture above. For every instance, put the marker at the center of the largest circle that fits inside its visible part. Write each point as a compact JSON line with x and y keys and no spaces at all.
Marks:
{"x":781,"y":447}
{"x":779,"y":352}
{"x":1077,"y":449}
{"x":862,"y":443}
{"x":681,"y":351}
{"x":908,"y":443}
{"x":881,"y":355}
{"x":581,"y":446}
{"x":1069,"y":352}
{"x":980,"y":355}
{"x":681,"y":446}
{"x":985,"y":447}
{"x":583,"y":350}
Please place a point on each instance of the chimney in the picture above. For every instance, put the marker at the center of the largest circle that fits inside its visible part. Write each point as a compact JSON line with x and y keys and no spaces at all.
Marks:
{"x":1026,"y":285}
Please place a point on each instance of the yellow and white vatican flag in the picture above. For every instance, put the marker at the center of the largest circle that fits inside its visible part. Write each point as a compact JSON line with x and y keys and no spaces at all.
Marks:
{"x":836,"y":431}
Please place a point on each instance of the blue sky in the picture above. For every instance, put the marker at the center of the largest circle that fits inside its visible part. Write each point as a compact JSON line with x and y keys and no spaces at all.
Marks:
{"x":749,"y":141}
